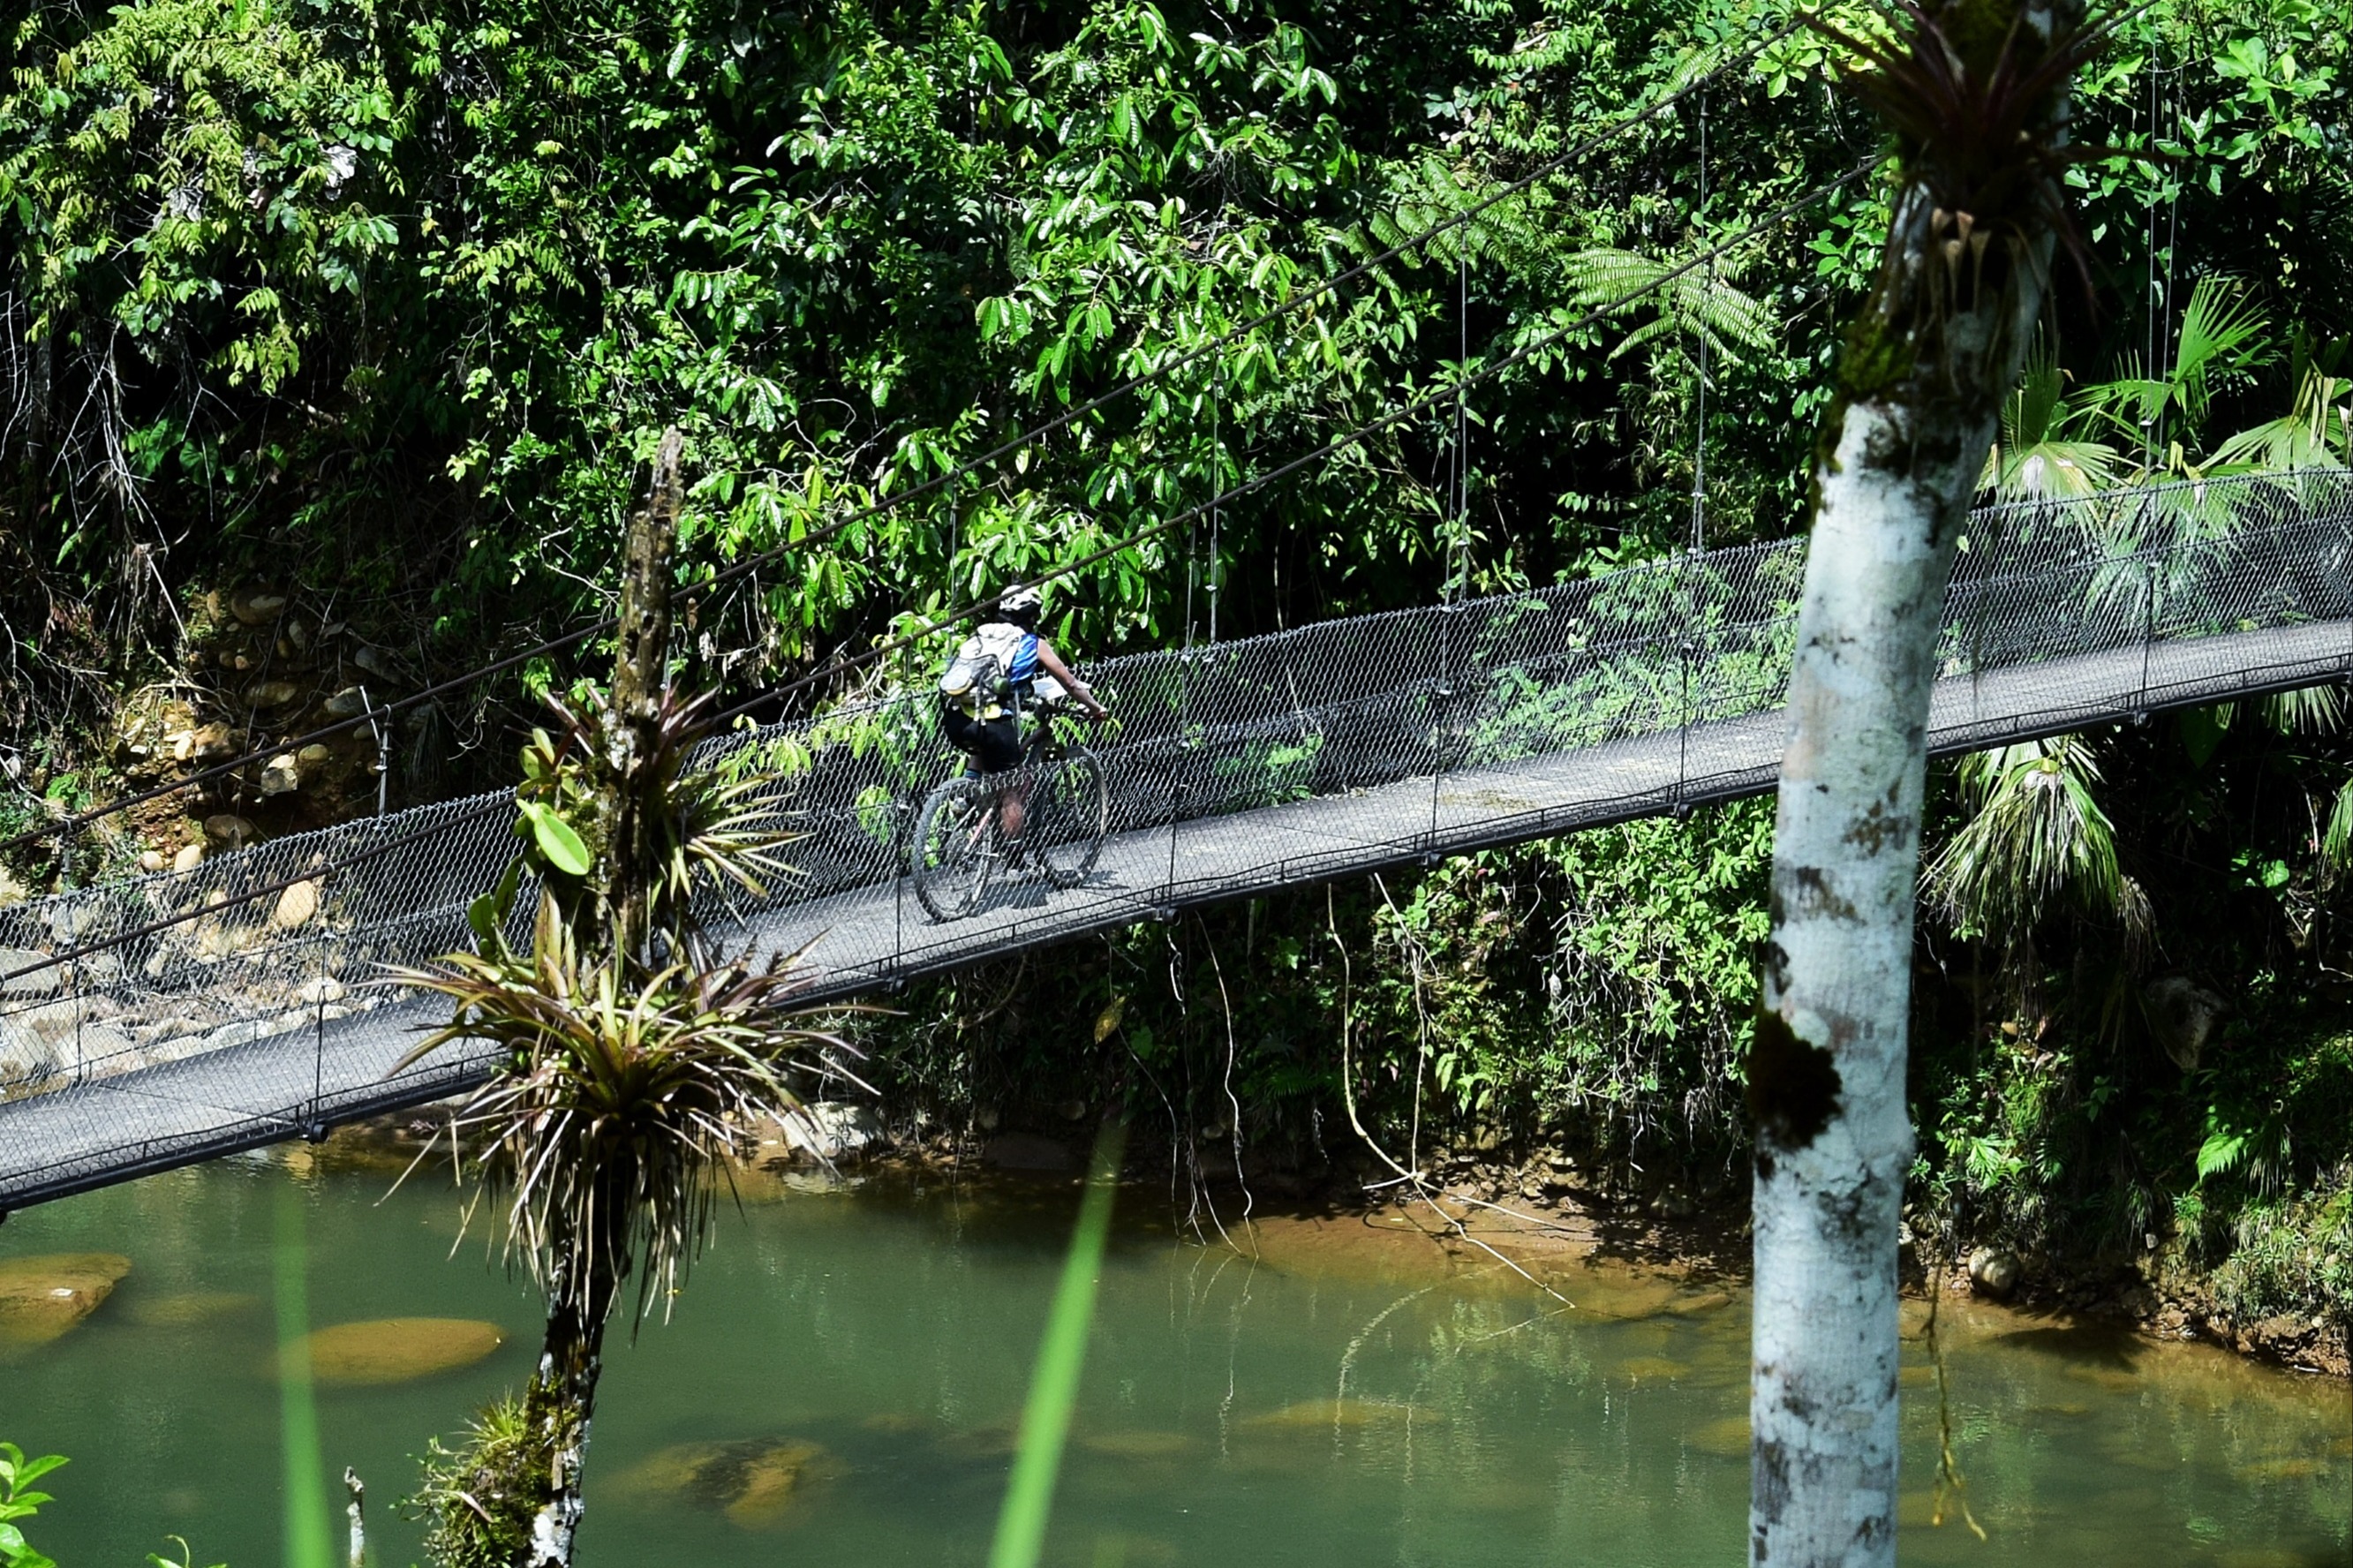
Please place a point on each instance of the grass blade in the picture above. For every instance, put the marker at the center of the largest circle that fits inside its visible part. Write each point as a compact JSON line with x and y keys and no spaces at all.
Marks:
{"x":306,"y":1504}
{"x":1054,"y":1386}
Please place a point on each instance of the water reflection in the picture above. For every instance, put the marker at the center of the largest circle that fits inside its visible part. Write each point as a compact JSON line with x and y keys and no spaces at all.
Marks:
{"x":845,"y":1371}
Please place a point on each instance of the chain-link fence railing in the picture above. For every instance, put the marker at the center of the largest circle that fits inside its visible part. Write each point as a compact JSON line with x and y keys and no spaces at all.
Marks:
{"x":168,"y":1015}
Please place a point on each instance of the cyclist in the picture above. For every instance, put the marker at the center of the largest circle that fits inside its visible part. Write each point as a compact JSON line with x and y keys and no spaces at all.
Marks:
{"x":999,"y":671}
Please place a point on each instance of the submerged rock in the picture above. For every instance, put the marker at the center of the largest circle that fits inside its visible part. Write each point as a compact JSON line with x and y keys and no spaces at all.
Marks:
{"x":42,"y":1297}
{"x":753,"y":1481}
{"x":1728,"y":1436}
{"x":397,"y":1350}
{"x":1136,"y":1445}
{"x":188,"y":1309}
{"x":1311,"y":1414}
{"x":1651,"y":1369}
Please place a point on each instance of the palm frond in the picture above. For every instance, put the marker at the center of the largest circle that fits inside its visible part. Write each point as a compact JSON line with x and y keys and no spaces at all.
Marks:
{"x":2313,"y":433}
{"x":2306,"y":711}
{"x":2038,"y":457}
{"x":2221,"y":329}
{"x":2336,"y":839}
{"x":2038,"y":836}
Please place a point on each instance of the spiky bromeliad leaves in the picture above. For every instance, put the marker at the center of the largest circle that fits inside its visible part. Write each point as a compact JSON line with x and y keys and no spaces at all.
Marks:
{"x":632,"y":1062}
{"x":606,"y":1131}
{"x":1971,"y":109}
{"x":708,"y":828}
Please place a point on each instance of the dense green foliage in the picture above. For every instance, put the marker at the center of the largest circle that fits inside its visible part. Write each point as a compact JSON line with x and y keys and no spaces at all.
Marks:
{"x":390,"y":301}
{"x":383,"y":304}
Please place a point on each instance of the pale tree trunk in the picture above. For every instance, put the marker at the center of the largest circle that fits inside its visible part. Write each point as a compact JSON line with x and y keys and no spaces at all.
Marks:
{"x":1938,"y":347}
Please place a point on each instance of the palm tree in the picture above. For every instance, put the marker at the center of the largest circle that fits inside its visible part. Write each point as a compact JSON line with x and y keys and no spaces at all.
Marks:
{"x":2223,"y":335}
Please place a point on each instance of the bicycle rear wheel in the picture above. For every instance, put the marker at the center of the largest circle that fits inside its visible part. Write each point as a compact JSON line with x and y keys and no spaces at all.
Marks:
{"x":1069,"y":810}
{"x":954,"y":852}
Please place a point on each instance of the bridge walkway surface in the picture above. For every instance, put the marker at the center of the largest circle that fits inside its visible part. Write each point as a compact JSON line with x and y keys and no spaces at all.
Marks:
{"x":1241,"y":770}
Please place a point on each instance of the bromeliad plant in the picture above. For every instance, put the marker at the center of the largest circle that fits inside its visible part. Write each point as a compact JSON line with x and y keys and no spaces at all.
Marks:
{"x":619,"y":1097}
{"x":703,"y":825}
{"x":630,"y":1063}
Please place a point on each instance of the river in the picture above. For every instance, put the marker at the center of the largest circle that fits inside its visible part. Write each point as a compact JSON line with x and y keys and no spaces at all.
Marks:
{"x":839,"y":1382}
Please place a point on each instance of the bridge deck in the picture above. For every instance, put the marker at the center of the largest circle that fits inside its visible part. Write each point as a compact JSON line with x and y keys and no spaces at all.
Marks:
{"x":336,"y":1069}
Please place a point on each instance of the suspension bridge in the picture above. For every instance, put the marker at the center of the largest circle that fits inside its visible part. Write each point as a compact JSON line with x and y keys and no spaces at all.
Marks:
{"x":167,"y":1018}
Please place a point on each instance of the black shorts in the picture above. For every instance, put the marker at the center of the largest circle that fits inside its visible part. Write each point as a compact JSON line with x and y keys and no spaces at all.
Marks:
{"x":994,"y":743}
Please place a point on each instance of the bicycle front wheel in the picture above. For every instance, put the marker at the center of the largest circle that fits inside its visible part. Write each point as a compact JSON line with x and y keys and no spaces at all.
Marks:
{"x":1070,"y":811}
{"x":954,"y":852}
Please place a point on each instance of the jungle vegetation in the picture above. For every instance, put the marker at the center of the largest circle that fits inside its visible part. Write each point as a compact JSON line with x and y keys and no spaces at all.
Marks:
{"x":382,"y":307}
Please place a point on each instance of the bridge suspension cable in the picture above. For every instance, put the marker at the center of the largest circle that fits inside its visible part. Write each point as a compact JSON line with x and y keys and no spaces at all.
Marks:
{"x":738,"y":569}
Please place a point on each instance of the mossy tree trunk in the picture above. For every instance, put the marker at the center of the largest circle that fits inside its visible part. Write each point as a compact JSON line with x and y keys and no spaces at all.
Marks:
{"x":1937,"y":348}
{"x":640,"y":669}
{"x":561,"y":1400}
{"x":562,"y":1397}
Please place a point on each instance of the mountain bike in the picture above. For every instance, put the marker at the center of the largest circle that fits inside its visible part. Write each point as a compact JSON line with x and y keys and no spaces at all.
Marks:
{"x":960,"y":848}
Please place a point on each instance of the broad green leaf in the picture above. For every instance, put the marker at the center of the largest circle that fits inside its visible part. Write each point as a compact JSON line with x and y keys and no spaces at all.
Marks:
{"x":558,"y":844}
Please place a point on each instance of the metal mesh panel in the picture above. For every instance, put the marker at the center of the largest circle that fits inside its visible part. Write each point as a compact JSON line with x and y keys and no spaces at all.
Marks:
{"x":191,"y":1012}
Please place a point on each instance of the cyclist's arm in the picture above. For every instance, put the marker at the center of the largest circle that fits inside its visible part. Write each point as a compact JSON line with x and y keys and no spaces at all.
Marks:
{"x":1079,"y":688}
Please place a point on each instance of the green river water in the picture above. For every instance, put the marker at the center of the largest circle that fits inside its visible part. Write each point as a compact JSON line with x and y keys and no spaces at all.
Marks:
{"x":1346,"y":1398}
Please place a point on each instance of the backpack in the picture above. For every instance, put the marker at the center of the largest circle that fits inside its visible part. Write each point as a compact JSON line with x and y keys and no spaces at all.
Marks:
{"x":982,"y":677}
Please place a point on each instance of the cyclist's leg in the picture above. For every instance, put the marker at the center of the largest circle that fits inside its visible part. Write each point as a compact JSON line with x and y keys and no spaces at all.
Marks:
{"x":1013,"y":807}
{"x":998,"y":753}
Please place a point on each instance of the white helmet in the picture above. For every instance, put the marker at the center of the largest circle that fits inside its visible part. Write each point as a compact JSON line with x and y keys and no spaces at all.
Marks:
{"x":1018,"y":600}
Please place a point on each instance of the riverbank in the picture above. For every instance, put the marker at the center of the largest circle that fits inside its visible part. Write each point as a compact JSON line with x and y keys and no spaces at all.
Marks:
{"x":1528,"y":1212}
{"x":1512,"y":1214}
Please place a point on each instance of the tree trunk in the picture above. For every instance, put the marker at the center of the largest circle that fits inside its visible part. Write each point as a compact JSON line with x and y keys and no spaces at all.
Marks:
{"x":557,"y":1407}
{"x":1937,"y":349}
{"x":561,"y":1398}
{"x":639,"y":666}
